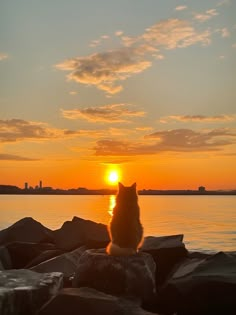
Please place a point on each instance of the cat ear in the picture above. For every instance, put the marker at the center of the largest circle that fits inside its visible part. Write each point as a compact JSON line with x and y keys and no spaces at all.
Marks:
{"x":120,"y":185}
{"x":134,"y":185}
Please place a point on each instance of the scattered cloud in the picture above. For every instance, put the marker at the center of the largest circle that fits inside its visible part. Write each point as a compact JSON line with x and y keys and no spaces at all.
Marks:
{"x":198,"y":118}
{"x":73,"y":93}
{"x":225,"y":32}
{"x":181,"y":8}
{"x":177,"y":140}
{"x":16,"y":130}
{"x":234,"y":45}
{"x":105,"y":70}
{"x":119,"y":33}
{"x":13,"y":157}
{"x":113,"y":113}
{"x":3,"y":56}
{"x":209,"y":14}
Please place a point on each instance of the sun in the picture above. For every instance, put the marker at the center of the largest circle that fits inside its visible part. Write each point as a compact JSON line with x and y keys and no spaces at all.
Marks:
{"x":113,"y":177}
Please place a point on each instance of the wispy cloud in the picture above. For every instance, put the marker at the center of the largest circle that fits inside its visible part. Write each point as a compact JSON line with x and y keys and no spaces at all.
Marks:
{"x":181,"y":8}
{"x":198,"y":118}
{"x":209,"y":14}
{"x":113,"y":113}
{"x":16,"y":130}
{"x":225,"y":32}
{"x":13,"y":157}
{"x":177,"y":140}
{"x":224,"y":2}
{"x":3,"y":56}
{"x":106,"y":70}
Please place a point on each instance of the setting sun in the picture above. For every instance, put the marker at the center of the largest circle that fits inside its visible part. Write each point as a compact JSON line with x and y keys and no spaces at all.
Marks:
{"x":113,"y":177}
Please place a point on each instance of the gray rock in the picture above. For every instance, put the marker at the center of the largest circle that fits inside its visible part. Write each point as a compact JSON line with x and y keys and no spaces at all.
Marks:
{"x":65,"y":263}
{"x":87,"y":301}
{"x":167,"y":251}
{"x":45,"y":255}
{"x":5,"y":259}
{"x":23,"y":292}
{"x":25,"y":230}
{"x":78,"y":232}
{"x":22,"y":253}
{"x":202,"y":286}
{"x":125,"y":275}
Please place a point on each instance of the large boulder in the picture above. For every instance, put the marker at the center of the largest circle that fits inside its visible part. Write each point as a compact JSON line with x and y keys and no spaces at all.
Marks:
{"x":132,"y":276}
{"x":87,"y":301}
{"x":167,"y":251}
{"x":202,"y":286}
{"x":5,"y":258}
{"x":45,"y":255}
{"x":26,"y":230}
{"x":78,"y":232}
{"x":66,"y":263}
{"x":24,"y":292}
{"x":22,"y":253}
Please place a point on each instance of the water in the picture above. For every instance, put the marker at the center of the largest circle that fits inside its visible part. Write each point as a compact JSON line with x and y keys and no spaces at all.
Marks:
{"x":207,"y":222}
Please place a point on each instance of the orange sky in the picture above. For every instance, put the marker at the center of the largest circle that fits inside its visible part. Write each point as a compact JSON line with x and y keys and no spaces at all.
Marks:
{"x":147,"y":87}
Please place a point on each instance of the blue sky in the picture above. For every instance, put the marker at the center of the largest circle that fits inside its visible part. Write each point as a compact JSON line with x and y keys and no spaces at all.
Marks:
{"x":116,"y":80}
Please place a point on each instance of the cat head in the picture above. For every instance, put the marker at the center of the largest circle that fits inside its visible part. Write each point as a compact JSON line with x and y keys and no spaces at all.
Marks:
{"x":127,"y":191}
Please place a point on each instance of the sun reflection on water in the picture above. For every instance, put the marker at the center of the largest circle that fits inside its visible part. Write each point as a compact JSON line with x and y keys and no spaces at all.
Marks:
{"x":112,"y":203}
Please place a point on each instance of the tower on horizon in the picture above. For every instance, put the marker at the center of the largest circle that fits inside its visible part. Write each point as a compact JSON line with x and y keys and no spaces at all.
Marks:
{"x":40,"y":185}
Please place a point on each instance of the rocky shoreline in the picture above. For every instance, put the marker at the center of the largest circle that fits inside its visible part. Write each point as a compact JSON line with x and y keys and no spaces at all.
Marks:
{"x":67,"y":271}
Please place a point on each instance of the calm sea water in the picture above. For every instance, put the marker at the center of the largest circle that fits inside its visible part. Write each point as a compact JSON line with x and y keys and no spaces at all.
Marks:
{"x":207,"y":222}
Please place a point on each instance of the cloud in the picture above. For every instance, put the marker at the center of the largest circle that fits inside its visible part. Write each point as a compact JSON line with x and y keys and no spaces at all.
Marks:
{"x":18,"y":130}
{"x":224,"y":2}
{"x":209,"y":14}
{"x":3,"y":56}
{"x":234,"y":45}
{"x":15,"y":130}
{"x":181,"y":8}
{"x":106,"y":70}
{"x":12,"y":157}
{"x":113,"y":113}
{"x":199,"y":118}
{"x":177,"y":140}
{"x":225,"y":32}
{"x":119,"y":33}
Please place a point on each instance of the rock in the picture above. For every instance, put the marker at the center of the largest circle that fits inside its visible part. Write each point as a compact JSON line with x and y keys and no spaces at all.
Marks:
{"x":65,"y":263}
{"x":78,"y":232}
{"x":125,"y":275}
{"x":45,"y":255}
{"x":5,"y":259}
{"x":23,"y":291}
{"x":167,"y":251}
{"x":87,"y":301}
{"x":22,"y":253}
{"x":26,"y":230}
{"x":202,"y":287}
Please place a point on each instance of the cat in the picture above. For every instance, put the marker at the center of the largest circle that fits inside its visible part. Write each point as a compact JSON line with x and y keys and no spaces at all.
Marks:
{"x":125,"y":229}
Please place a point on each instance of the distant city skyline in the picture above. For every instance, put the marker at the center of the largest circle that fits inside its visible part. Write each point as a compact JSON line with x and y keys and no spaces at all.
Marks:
{"x":144,"y":88}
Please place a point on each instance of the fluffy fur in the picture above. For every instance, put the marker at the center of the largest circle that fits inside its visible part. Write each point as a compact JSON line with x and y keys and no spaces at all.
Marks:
{"x":125,"y":229}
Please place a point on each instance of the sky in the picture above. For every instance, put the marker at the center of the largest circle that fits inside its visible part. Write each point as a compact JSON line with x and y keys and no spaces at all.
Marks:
{"x":144,"y":87}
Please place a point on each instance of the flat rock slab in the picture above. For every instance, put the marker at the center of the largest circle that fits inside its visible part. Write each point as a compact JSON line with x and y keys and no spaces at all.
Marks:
{"x":167,"y":251}
{"x":202,"y":286}
{"x":23,"y":292}
{"x":132,"y":276}
{"x":66,"y":263}
{"x":88,"y":301}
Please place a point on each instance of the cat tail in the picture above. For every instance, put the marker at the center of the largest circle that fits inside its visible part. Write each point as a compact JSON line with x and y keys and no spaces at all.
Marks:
{"x":115,"y":250}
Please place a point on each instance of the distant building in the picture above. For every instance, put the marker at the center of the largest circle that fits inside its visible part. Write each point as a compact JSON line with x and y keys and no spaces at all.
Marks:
{"x":201,"y":189}
{"x":40,"y":185}
{"x":26,"y":186}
